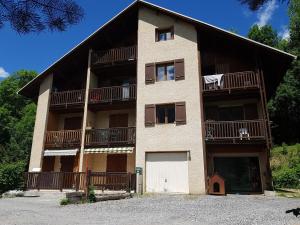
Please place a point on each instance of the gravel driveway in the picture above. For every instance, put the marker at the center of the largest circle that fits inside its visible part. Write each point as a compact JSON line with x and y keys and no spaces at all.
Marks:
{"x":160,"y":209}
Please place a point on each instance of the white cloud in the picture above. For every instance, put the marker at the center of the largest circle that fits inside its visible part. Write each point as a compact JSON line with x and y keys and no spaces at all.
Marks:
{"x":284,"y":33}
{"x":266,"y":12}
{"x":3,"y":73}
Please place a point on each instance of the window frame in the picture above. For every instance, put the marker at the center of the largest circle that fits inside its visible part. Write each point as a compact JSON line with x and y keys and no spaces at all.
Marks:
{"x":165,"y":65}
{"x":159,"y":31}
{"x":166,"y":107}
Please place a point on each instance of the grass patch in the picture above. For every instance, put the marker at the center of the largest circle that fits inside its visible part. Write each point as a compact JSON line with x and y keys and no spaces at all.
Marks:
{"x":64,"y":201}
{"x":288,"y":193}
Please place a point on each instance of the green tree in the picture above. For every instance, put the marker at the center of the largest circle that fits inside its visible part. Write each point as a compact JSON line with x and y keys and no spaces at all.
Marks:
{"x":265,"y":34}
{"x":17,"y":115}
{"x":284,"y":107}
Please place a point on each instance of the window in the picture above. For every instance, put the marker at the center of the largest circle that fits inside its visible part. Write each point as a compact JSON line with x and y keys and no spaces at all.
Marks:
{"x":165,"y":72}
{"x":165,"y":113}
{"x":164,"y":34}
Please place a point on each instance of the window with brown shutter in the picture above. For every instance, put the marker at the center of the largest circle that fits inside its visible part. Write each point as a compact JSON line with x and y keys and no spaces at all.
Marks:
{"x":149,"y":115}
{"x":150,"y":73}
{"x":180,"y":113}
{"x":179,"y":69}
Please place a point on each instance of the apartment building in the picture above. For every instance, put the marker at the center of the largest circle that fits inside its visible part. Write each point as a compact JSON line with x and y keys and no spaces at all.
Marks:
{"x":157,"y":92}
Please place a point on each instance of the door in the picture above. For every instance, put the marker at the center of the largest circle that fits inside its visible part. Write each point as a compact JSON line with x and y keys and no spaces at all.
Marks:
{"x":73,"y":123}
{"x":241,"y":174}
{"x":48,"y":164}
{"x":116,"y":163}
{"x":167,"y":172}
{"x":67,"y":163}
{"x":118,"y":136}
{"x":118,"y":120}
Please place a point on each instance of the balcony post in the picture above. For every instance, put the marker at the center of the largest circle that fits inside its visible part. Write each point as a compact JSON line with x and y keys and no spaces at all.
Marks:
{"x":88,"y":80}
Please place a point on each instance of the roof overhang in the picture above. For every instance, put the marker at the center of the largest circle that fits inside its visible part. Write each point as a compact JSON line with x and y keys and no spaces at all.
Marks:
{"x":36,"y":81}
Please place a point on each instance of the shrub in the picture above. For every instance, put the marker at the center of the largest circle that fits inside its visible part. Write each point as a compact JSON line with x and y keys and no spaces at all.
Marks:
{"x":11,"y":176}
{"x":64,"y":201}
{"x":92,"y":195}
{"x":287,"y":177}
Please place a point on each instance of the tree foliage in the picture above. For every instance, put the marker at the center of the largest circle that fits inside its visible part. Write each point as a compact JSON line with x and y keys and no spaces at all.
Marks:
{"x":265,"y":34}
{"x":17,"y":115}
{"x":27,"y":16}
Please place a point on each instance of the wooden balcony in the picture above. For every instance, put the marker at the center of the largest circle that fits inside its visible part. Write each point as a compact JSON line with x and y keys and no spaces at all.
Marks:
{"x":115,"y":55}
{"x":63,"y":139}
{"x":65,"y":99}
{"x":230,"y":82}
{"x":243,"y":131}
{"x":112,"y":94}
{"x":110,"y":137}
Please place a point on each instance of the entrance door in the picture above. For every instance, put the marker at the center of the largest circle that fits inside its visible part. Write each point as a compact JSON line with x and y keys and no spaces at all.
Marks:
{"x":241,"y":174}
{"x":116,"y":163}
{"x":48,"y":164}
{"x":73,"y":123}
{"x":118,"y":120}
{"x":167,"y":172}
{"x":67,"y":163}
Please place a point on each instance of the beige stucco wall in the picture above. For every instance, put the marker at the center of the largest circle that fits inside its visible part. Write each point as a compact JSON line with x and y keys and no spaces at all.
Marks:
{"x":40,"y":123}
{"x":170,"y":137}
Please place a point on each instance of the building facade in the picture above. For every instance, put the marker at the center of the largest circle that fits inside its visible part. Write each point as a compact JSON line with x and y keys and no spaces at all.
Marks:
{"x":179,"y":99}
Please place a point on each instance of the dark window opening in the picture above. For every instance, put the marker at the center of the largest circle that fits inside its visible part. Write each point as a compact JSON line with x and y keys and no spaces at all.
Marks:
{"x":231,"y":113}
{"x":165,"y":72}
{"x":164,"y":34}
{"x":165,"y":114}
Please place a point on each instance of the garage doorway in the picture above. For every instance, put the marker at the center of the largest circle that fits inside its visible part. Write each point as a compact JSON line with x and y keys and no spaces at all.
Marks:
{"x":167,"y":172}
{"x":241,"y":174}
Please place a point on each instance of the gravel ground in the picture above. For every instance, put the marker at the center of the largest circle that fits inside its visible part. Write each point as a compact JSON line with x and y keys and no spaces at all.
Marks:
{"x":156,"y":209}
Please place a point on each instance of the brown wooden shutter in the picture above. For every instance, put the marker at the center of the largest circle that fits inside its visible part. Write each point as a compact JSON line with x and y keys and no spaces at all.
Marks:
{"x":149,"y":73}
{"x":251,"y":111}
{"x":149,"y":115}
{"x":180,"y":113}
{"x":179,"y":69}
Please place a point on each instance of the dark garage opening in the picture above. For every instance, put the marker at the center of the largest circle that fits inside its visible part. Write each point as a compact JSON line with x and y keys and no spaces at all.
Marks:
{"x":241,"y":174}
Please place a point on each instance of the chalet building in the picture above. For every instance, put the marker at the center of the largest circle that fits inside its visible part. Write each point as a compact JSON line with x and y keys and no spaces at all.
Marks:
{"x":152,"y":90}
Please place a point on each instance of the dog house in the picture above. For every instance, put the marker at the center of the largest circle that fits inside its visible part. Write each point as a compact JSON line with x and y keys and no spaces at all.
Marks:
{"x":216,"y":185}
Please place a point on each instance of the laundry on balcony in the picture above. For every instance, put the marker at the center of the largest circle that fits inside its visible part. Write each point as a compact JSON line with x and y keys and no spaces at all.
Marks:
{"x":214,"y":79}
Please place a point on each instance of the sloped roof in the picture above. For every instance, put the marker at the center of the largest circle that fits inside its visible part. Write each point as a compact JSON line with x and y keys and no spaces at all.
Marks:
{"x":138,"y":3}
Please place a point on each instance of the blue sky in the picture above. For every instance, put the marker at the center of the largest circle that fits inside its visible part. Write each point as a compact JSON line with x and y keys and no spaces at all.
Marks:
{"x":38,"y":51}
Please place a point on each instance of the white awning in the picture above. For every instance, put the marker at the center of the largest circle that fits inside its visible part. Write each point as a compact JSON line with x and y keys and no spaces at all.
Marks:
{"x":116,"y":150}
{"x":64,"y":152}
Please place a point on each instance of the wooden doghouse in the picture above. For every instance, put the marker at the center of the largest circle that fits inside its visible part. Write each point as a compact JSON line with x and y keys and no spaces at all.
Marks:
{"x":216,"y":185}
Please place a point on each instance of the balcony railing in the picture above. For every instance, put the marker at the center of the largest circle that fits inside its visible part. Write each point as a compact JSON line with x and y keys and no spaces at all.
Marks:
{"x":110,"y":136}
{"x":63,"y":139}
{"x":235,"y":130}
{"x":65,"y":98}
{"x":230,"y":81}
{"x":110,"y":94}
{"x":113,"y":55}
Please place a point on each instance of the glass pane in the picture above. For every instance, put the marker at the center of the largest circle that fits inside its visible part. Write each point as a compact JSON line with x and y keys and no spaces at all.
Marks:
{"x":162,"y":36}
{"x":160,"y":114}
{"x":170,"y":72}
{"x":171,"y":114}
{"x":160,"y":73}
{"x":168,"y":35}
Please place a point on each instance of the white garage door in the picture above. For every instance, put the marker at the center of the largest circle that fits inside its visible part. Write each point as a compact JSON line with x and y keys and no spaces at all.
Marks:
{"x":167,"y":172}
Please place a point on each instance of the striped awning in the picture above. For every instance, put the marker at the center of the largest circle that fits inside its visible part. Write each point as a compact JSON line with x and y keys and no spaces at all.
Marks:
{"x":63,"y":152}
{"x":115,"y":150}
